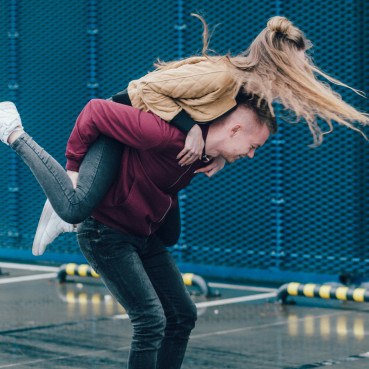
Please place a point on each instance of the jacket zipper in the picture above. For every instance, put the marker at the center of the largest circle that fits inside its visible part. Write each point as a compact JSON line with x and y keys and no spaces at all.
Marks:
{"x":170,"y":205}
{"x":180,"y":177}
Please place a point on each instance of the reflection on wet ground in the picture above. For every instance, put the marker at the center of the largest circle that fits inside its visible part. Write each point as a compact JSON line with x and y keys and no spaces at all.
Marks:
{"x":45,"y":324}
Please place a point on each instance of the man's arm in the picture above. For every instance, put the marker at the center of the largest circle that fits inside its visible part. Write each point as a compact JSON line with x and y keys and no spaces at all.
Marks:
{"x":126,"y":124}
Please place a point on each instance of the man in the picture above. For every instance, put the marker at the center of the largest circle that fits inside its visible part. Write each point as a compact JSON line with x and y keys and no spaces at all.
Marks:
{"x":120,"y":240}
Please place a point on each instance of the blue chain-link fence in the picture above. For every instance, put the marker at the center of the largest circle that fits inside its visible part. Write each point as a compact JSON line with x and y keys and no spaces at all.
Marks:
{"x":291,"y":212}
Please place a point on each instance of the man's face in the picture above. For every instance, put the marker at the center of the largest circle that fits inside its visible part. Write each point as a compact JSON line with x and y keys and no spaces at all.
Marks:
{"x":244,"y":135}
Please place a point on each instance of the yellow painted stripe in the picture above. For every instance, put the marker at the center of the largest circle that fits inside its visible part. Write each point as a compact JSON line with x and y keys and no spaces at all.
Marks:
{"x":187,"y":278}
{"x":341,"y":293}
{"x":292,"y":288}
{"x":70,"y":268}
{"x":94,"y":274}
{"x":309,"y":290}
{"x":358,"y":294}
{"x":82,"y":270}
{"x":324,"y":292}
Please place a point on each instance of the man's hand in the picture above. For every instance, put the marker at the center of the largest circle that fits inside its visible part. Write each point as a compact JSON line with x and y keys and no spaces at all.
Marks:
{"x":214,"y":167}
{"x":194,"y":146}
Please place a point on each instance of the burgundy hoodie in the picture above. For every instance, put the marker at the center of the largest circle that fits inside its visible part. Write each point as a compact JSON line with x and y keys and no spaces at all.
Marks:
{"x":150,"y":177}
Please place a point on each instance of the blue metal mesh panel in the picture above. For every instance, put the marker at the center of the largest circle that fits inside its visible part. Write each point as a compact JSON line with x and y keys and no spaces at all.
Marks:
{"x":324,"y":204}
{"x":292,"y":208}
{"x":52,"y":78}
{"x":229,"y":219}
{"x":131,"y":38}
{"x":317,"y":223}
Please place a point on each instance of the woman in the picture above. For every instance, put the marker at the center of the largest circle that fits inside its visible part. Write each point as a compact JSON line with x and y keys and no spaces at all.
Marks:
{"x":199,"y":89}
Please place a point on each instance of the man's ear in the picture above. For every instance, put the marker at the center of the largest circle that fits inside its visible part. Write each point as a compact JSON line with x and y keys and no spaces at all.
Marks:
{"x":235,"y":129}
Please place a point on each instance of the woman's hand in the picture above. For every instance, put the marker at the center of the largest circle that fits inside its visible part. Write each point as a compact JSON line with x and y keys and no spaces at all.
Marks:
{"x":74,"y":177}
{"x":194,"y":146}
{"x":214,"y":167}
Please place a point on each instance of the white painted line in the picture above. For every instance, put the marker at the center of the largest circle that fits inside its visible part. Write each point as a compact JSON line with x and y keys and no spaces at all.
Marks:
{"x":42,"y":268}
{"x":28,"y":278}
{"x":235,"y":300}
{"x":241,"y":288}
{"x":261,"y":326}
{"x":236,"y":330}
{"x":260,"y":296}
{"x":39,"y":268}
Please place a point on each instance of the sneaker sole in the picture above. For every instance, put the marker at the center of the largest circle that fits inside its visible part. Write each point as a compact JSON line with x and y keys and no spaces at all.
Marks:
{"x":46,"y":213}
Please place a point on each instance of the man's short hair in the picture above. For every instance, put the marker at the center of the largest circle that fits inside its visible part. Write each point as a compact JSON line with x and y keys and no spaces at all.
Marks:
{"x":261,"y":109}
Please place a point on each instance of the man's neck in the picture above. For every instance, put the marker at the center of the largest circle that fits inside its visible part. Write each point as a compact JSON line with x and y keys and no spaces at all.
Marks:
{"x":213,"y":141}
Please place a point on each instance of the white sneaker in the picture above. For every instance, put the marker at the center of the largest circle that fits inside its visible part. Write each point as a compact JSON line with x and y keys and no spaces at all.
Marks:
{"x":9,"y":120}
{"x":49,"y":227}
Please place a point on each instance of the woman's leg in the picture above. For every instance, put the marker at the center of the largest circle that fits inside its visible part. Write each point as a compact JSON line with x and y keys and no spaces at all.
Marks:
{"x":117,"y":257}
{"x":96,"y":174}
{"x":179,"y":309}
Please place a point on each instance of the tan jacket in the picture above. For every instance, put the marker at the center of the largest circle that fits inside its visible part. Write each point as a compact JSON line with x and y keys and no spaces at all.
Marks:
{"x":204,"y":89}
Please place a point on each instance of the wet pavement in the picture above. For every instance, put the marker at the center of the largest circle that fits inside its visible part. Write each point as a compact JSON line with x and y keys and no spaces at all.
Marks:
{"x":45,"y":324}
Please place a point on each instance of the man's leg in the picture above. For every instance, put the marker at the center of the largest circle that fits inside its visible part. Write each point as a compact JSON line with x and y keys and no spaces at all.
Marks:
{"x":180,"y":311}
{"x":116,"y":256}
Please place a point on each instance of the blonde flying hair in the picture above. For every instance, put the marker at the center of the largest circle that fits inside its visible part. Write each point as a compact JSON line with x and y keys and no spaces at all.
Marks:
{"x":271,"y":70}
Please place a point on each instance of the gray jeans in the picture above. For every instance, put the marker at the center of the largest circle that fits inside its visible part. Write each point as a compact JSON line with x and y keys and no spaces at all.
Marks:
{"x":100,"y":166}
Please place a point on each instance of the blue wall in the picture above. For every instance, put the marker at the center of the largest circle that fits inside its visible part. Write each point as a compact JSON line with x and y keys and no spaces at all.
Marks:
{"x":291,"y":212}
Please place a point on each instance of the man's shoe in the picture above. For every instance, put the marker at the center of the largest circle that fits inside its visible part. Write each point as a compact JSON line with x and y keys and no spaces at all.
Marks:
{"x":49,"y":227}
{"x":9,"y":120}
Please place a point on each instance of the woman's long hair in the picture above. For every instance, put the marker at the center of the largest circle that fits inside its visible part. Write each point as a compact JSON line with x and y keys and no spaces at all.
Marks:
{"x":272,"y":70}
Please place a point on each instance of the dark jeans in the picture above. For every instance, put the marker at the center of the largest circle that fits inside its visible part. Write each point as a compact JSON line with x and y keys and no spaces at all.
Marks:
{"x":143,"y":277}
{"x":96,"y":174}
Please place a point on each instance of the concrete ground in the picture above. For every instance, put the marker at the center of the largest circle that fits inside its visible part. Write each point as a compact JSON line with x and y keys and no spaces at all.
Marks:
{"x":48,"y":325}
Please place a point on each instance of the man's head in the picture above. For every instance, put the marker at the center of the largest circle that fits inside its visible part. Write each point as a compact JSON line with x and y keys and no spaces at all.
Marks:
{"x":239,"y":133}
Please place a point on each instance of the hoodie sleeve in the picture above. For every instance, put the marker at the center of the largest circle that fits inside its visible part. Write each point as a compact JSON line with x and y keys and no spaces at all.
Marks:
{"x":124,"y":123}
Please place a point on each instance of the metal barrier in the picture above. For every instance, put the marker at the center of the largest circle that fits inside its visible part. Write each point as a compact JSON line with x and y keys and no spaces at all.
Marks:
{"x":84,"y":270}
{"x":325,"y":291}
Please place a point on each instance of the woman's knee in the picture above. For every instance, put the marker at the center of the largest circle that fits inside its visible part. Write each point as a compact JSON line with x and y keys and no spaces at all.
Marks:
{"x":74,"y":214}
